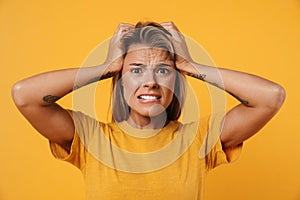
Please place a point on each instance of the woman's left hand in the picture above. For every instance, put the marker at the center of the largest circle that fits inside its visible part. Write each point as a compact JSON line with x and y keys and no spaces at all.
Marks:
{"x":182,"y":55}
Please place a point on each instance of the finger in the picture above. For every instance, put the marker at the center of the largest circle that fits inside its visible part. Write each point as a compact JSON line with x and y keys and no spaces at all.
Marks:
{"x":124,"y":27}
{"x":169,"y":26}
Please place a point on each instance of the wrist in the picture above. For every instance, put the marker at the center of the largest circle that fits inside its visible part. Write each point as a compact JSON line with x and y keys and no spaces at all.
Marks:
{"x":186,"y":66}
{"x":192,"y":69}
{"x":107,"y":71}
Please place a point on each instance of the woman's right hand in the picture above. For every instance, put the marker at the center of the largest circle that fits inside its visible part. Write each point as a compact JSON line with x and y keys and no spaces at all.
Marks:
{"x":114,"y":59}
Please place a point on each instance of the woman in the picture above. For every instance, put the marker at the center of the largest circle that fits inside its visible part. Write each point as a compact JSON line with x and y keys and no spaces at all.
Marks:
{"x":145,"y":152}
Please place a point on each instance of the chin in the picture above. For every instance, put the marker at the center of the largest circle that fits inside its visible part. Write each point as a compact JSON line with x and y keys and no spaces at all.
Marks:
{"x":154,"y":111}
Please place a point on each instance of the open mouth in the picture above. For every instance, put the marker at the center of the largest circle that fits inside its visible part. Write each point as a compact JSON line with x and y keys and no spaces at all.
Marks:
{"x":149,"y":97}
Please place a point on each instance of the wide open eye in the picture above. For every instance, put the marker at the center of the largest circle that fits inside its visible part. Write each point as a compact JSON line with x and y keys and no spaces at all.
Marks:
{"x":163,"y":71}
{"x":136,"y":70}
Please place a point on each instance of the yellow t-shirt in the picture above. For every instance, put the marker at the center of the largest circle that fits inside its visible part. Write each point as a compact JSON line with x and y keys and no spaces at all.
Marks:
{"x":121,"y":162}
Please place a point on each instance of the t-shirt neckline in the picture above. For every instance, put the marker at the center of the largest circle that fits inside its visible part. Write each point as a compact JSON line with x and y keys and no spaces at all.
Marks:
{"x":145,"y":133}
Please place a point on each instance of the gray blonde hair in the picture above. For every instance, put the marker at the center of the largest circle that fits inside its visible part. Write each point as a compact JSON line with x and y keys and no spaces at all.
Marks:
{"x":152,"y":35}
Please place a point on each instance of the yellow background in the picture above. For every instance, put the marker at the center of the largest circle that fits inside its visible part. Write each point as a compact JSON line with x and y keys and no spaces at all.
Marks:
{"x":261,"y":37}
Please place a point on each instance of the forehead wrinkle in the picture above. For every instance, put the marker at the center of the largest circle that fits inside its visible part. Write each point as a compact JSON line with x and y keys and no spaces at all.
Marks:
{"x":150,"y":57}
{"x":153,"y":57}
{"x":149,"y":50}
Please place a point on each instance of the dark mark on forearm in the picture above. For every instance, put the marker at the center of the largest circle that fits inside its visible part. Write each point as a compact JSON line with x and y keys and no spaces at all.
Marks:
{"x":50,"y":98}
{"x":200,"y":77}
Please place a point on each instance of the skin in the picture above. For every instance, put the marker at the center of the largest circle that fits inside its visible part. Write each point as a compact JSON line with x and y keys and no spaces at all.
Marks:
{"x":260,"y":98}
{"x":148,"y":72}
{"x":35,"y":96}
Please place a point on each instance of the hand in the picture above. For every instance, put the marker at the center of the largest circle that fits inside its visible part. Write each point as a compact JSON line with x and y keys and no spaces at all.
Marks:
{"x":114,"y":59}
{"x":182,"y":57}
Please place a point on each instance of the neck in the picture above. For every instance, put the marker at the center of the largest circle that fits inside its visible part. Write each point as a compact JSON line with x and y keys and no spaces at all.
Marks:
{"x":155,"y":122}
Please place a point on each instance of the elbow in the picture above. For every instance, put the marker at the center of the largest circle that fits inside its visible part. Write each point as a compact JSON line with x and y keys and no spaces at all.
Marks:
{"x":278,"y":95}
{"x":17,"y":95}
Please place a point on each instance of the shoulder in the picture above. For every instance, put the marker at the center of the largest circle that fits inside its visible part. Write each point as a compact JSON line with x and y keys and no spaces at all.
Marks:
{"x":210,"y":124}
{"x":87,"y":126}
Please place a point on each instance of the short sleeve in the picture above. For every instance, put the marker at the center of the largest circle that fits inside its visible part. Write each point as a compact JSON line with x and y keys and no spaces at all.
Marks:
{"x":76,"y":155}
{"x":217,"y":156}
{"x":211,"y":149}
{"x":84,"y":129}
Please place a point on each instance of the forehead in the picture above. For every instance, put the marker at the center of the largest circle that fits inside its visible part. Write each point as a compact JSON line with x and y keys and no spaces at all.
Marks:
{"x":145,"y":53}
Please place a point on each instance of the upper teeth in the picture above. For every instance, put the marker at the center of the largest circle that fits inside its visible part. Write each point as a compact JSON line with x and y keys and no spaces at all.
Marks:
{"x":148,"y":97}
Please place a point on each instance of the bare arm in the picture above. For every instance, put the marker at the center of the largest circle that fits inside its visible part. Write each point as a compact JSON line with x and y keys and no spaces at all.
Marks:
{"x":260,"y":98}
{"x":35,"y":96}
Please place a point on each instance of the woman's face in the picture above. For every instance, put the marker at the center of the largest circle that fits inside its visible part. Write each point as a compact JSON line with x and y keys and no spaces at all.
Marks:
{"x":148,"y":77}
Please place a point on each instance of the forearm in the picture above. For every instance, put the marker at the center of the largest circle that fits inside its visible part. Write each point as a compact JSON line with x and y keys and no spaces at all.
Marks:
{"x":46,"y":88}
{"x":260,"y":98}
{"x":250,"y":90}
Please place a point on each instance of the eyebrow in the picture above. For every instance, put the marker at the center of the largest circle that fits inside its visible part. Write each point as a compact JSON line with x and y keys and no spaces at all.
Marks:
{"x":163,"y":65}
{"x":138,"y":64}
{"x":143,"y":65}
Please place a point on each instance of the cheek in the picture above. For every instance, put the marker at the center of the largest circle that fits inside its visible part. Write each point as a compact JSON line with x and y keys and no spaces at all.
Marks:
{"x":130,"y":85}
{"x":168,"y":83}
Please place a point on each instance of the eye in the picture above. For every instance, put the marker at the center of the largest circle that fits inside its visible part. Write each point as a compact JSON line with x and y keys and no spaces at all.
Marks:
{"x":136,"y":70}
{"x":163,"y":71}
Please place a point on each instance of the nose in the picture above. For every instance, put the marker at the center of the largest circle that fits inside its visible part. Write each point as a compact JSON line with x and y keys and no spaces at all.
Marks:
{"x":150,"y":85}
{"x":150,"y":81}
